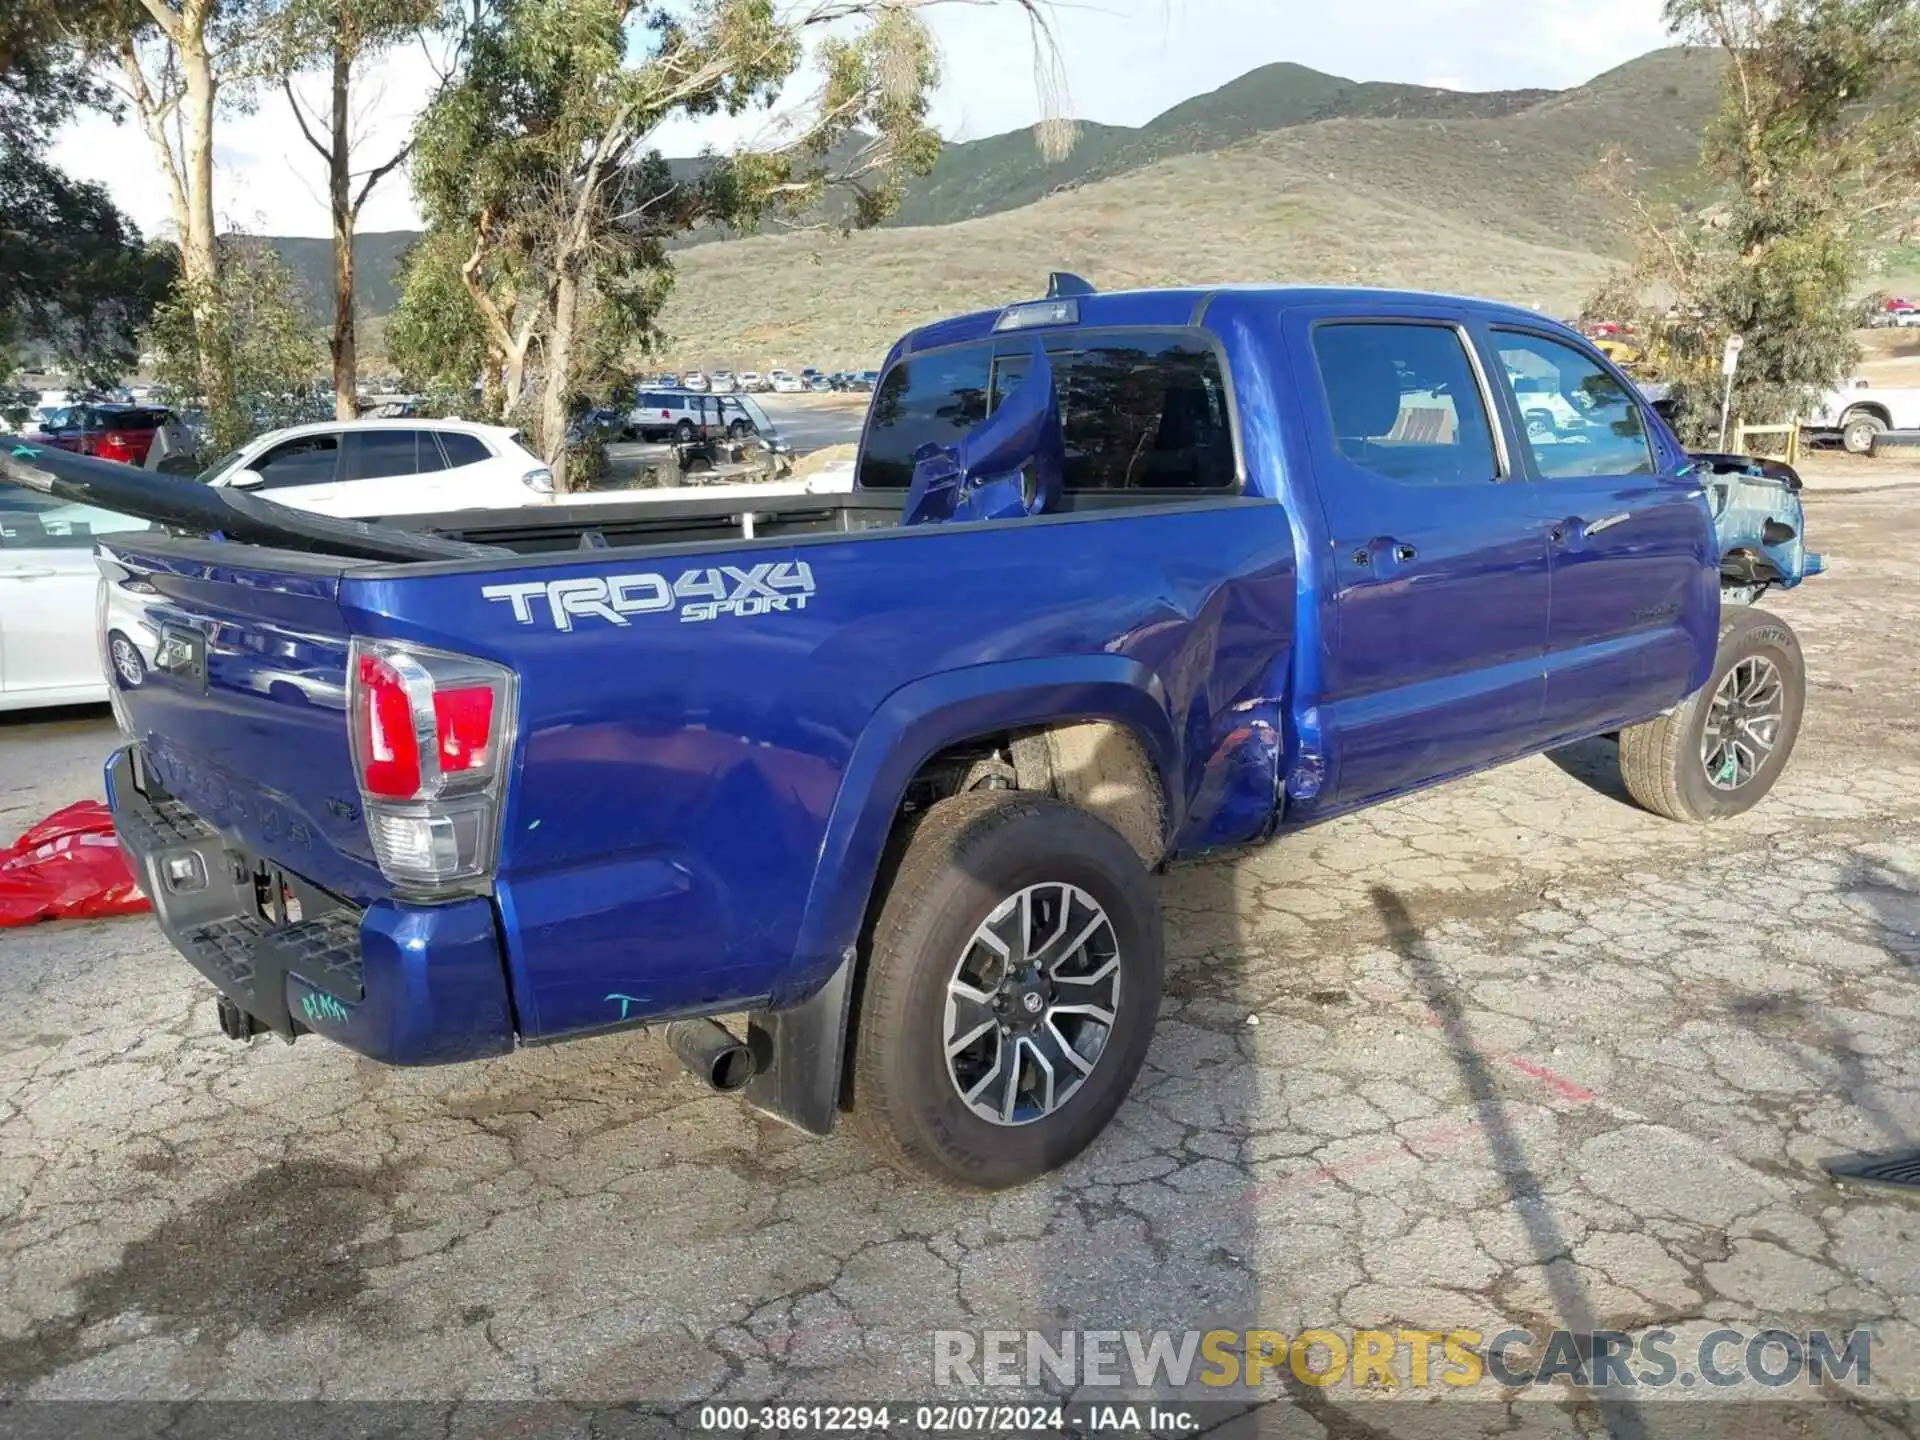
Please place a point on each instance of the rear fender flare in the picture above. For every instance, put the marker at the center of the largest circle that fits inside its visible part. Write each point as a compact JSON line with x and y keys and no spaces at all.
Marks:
{"x":920,"y":720}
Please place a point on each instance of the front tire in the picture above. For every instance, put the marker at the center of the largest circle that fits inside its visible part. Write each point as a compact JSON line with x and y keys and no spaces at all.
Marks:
{"x":1010,"y":991}
{"x":1719,"y":753}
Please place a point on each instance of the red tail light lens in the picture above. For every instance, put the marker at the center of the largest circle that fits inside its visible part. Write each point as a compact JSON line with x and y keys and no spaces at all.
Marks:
{"x":431,"y":735}
{"x":389,"y":749}
{"x":463,"y":727}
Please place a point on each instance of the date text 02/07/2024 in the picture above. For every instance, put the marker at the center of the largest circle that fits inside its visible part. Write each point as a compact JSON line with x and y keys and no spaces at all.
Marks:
{"x":920,"y":1418}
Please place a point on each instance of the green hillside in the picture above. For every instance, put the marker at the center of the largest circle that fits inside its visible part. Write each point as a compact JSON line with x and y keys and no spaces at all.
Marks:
{"x":984,"y":177}
{"x":1285,"y":173}
{"x":1494,"y":205}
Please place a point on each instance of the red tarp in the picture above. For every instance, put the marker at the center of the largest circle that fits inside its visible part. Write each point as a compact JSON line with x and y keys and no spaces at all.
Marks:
{"x":68,"y":867}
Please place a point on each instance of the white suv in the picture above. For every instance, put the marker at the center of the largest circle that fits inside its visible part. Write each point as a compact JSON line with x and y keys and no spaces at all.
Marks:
{"x":367,"y":469}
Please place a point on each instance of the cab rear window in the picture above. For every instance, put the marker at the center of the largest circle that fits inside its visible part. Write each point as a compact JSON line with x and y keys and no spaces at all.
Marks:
{"x":1138,"y":410}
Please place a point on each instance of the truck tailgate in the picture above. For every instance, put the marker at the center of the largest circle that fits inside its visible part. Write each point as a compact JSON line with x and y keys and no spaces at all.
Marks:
{"x":229,"y":669}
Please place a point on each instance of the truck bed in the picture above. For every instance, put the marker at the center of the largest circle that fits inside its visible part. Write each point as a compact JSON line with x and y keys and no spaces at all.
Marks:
{"x":714,"y":519}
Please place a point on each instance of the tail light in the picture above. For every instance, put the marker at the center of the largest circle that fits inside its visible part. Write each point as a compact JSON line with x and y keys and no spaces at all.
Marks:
{"x":539,"y":481}
{"x":115,"y":445}
{"x":432,"y":736}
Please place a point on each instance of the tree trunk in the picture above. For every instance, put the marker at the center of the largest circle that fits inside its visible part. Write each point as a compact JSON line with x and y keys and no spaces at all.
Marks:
{"x":344,"y":343}
{"x":513,"y":378}
{"x":553,"y":409}
{"x":199,"y":257}
{"x":493,"y":385}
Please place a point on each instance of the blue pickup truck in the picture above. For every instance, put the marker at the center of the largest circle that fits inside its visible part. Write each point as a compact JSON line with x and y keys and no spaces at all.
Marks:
{"x":1125,"y":578}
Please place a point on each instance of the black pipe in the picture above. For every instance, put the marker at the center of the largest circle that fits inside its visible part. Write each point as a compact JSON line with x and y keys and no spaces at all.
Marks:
{"x":712,"y":1053}
{"x":189,"y":507}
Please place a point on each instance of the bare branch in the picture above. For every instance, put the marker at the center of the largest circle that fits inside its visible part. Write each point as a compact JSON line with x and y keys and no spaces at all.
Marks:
{"x":379,"y":173}
{"x":153,"y":116}
{"x":293,"y":101}
{"x":170,"y":21}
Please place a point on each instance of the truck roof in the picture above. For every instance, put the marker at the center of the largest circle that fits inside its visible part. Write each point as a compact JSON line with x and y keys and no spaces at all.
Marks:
{"x":1186,"y":306}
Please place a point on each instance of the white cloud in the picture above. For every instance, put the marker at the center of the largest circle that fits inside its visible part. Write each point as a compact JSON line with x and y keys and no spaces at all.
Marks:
{"x":1126,"y":61}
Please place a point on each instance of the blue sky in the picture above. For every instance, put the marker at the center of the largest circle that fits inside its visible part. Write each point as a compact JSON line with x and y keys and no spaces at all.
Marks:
{"x":1126,"y":61}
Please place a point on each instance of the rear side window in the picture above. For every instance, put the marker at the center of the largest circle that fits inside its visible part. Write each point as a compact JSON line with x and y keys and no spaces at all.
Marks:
{"x":310,"y":460}
{"x":1580,"y":421}
{"x":463,"y":449}
{"x":1405,"y":402}
{"x":381,"y":454}
{"x":1137,"y":411}
{"x":925,"y":399}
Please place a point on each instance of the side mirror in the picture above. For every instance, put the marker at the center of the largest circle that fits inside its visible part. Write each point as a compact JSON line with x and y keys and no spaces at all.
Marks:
{"x":245,"y":479}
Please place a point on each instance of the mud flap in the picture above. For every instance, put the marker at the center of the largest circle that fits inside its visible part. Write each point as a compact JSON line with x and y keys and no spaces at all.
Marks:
{"x":798,"y":1054}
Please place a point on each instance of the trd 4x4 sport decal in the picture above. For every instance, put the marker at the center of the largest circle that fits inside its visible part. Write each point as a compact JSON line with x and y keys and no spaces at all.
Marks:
{"x":784,"y":585}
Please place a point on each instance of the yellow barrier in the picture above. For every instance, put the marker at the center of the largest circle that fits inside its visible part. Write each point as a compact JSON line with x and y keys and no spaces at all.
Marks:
{"x":1745,"y":435}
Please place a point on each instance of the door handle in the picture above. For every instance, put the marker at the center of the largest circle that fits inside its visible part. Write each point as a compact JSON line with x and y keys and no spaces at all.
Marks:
{"x":26,"y":574}
{"x":1606,"y":522}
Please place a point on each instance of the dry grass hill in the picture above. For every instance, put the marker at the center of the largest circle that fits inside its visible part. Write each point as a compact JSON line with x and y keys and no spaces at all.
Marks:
{"x":1285,"y":174}
{"x":1490,"y":203}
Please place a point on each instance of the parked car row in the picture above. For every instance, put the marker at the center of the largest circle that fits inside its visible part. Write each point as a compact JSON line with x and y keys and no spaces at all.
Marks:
{"x":754,"y":382}
{"x":1895,"y":312}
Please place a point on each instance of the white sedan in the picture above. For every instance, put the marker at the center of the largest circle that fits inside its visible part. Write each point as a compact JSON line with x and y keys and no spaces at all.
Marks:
{"x":369,"y":469}
{"x":49,"y":650}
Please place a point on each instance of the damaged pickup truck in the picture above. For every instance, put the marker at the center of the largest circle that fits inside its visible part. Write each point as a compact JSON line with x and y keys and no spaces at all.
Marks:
{"x":1124,"y":578}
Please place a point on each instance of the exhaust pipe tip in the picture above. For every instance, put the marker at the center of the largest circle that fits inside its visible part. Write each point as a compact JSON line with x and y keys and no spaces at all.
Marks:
{"x":712,"y":1054}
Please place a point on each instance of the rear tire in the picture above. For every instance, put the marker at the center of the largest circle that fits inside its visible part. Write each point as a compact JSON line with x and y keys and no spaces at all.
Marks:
{"x":1859,"y":430}
{"x":1008,"y":865}
{"x":1675,"y":767}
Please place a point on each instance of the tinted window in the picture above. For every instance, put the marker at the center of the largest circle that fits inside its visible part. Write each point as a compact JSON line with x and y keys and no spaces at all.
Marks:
{"x":1405,"y":403}
{"x":463,"y":449}
{"x":306,"y":461}
{"x":1137,"y":413}
{"x":30,"y":519}
{"x":1579,"y":419}
{"x":379,"y":454}
{"x":927,"y":399}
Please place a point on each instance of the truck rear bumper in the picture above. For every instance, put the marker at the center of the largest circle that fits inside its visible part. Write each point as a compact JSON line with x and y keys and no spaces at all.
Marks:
{"x":404,"y":984}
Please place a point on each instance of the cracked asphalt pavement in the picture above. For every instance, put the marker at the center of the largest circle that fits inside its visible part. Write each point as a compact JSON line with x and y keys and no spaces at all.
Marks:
{"x":1508,"y":1053}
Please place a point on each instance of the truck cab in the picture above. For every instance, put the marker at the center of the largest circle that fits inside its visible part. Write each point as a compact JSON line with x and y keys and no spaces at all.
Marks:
{"x":1123,"y":578}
